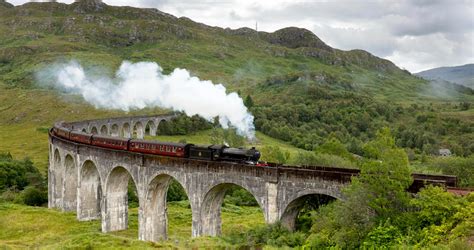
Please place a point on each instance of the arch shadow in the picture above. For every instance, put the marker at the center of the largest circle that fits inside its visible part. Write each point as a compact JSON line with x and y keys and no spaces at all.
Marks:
{"x":155,"y":216}
{"x":57,"y":178}
{"x":309,"y":201}
{"x":94,"y":131}
{"x":114,"y":130}
{"x":210,"y":211}
{"x":104,"y":130}
{"x":163,"y":127}
{"x":150,"y":128}
{"x":125,"y":131}
{"x":138,"y":131}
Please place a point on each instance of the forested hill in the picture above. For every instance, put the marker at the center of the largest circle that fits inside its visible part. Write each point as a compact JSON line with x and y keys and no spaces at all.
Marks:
{"x":299,"y":89}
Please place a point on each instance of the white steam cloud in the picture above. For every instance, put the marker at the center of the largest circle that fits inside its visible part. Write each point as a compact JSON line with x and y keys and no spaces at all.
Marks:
{"x":143,"y":84}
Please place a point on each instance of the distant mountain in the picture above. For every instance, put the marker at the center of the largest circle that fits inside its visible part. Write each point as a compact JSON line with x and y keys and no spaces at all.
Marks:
{"x":4,"y":4}
{"x":463,"y":75}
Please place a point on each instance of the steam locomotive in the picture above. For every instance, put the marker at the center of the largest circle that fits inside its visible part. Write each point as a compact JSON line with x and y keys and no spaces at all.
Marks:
{"x":200,"y":152}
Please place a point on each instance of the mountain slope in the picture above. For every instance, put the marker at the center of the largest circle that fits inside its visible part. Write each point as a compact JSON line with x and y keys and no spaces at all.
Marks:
{"x":304,"y":91}
{"x":463,"y":75}
{"x":34,"y":34}
{"x":4,"y":4}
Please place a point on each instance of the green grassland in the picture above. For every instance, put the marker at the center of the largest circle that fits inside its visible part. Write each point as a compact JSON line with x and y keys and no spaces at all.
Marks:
{"x":35,"y":227}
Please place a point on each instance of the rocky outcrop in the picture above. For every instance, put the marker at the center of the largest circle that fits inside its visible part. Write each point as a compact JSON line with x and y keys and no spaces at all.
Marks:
{"x":5,"y":4}
{"x":293,"y":38}
{"x":86,"y":6}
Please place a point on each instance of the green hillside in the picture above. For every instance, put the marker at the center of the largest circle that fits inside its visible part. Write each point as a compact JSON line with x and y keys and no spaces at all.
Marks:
{"x":35,"y":34}
{"x":315,"y":90}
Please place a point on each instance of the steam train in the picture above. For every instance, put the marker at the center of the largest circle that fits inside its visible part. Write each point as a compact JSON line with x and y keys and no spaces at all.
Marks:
{"x":182,"y":150}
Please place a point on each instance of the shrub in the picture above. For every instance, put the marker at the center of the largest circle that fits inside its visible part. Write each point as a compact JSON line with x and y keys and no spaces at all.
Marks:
{"x":9,"y":195}
{"x":32,"y":196}
{"x":240,"y":197}
{"x":15,"y":174}
{"x":322,"y":159}
{"x":176,"y":192}
{"x":463,"y":168}
{"x":275,"y":154}
{"x":382,"y":236}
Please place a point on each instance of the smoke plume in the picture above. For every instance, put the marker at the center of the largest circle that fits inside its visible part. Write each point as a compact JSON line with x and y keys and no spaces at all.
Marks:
{"x":143,"y":84}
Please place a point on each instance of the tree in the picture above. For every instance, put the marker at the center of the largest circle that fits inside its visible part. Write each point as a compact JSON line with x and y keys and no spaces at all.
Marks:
{"x":387,"y":176}
{"x":275,"y":154}
{"x":248,"y":102}
{"x":333,"y":146}
{"x":376,"y":196}
{"x":17,"y":174}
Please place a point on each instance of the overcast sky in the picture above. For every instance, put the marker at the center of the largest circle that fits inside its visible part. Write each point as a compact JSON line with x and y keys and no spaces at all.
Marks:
{"x":414,"y":34}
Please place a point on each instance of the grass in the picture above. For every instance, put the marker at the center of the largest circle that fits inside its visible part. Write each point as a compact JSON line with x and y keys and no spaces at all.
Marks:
{"x":36,"y":227}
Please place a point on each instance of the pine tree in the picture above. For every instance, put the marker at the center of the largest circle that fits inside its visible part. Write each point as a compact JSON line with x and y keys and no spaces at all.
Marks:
{"x":248,"y":102}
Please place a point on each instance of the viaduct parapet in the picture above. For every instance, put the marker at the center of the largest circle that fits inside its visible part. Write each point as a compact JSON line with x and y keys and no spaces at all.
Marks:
{"x":92,"y":181}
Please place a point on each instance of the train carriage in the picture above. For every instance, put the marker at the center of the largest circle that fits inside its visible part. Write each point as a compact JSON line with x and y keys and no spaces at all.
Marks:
{"x":61,"y":132}
{"x":80,"y":137}
{"x":110,"y":142}
{"x":160,"y":148}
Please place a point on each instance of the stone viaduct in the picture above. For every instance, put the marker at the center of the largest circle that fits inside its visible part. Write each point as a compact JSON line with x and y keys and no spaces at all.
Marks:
{"x":93,"y":181}
{"x":135,"y":126}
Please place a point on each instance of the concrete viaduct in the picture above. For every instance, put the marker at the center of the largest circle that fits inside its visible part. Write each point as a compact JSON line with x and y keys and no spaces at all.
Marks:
{"x":93,"y":181}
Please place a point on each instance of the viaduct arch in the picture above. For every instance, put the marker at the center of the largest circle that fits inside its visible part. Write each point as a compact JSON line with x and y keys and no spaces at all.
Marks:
{"x":93,"y":182}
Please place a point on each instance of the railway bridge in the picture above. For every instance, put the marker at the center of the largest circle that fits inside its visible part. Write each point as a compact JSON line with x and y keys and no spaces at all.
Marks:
{"x":93,"y":182}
